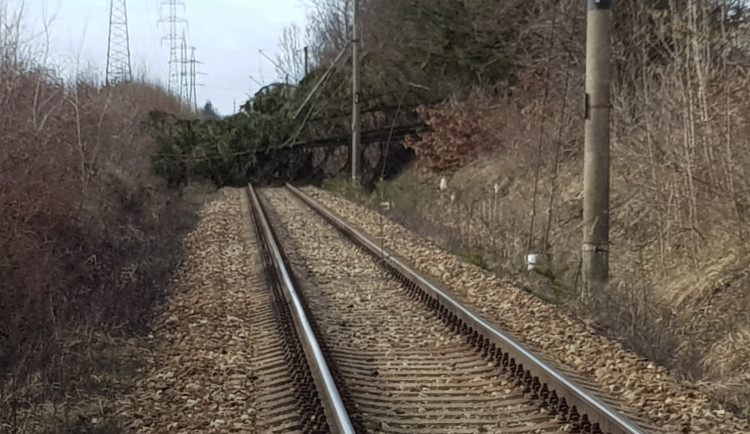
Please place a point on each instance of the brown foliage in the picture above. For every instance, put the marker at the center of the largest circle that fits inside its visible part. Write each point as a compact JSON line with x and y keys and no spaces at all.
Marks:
{"x":459,"y":133}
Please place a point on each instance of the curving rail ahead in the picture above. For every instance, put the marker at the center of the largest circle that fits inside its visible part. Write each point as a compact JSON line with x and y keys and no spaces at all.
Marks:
{"x":553,"y":390}
{"x":333,"y":406}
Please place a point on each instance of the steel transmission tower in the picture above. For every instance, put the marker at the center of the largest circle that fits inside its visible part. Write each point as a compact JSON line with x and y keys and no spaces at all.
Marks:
{"x":118,"y":48}
{"x":193,"y":96}
{"x":188,"y":73}
{"x":184,"y":70}
{"x":174,"y":39}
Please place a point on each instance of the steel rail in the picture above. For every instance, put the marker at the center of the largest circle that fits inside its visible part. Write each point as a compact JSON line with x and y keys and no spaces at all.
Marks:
{"x":534,"y":370}
{"x":333,"y":406}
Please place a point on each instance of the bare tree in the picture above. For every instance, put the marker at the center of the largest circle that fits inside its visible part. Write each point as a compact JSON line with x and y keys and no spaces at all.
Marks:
{"x":329,"y":28}
{"x":290,"y":64}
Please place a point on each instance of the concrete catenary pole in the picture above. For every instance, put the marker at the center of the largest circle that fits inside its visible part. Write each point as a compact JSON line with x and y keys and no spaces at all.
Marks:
{"x":355,"y":95}
{"x":596,"y":149}
{"x":307,"y":61}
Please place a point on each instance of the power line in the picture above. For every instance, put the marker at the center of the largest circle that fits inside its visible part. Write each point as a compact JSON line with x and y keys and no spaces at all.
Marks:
{"x":118,"y":46}
{"x":154,"y":39}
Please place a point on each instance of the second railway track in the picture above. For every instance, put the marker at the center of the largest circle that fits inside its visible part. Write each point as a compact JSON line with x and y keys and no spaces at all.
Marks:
{"x":404,"y":362}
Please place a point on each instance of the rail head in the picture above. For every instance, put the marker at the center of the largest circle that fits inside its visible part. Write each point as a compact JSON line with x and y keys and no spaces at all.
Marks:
{"x":333,"y":405}
{"x":542,"y":375}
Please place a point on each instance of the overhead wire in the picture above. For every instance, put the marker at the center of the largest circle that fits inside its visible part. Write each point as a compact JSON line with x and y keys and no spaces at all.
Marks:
{"x":390,"y":134}
{"x":558,"y":148}
{"x":155,"y":42}
{"x":311,"y":99}
{"x":540,"y":143}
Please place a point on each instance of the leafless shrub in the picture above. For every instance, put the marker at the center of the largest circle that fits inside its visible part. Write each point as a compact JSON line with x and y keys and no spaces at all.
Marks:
{"x":88,"y":235}
{"x":629,"y":312}
{"x":680,"y":157}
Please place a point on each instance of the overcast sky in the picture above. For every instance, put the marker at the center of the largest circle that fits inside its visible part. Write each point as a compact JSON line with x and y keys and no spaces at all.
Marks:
{"x":227,"y":35}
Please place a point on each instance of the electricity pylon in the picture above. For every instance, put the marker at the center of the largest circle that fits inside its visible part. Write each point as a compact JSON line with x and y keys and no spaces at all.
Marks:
{"x":184,"y":70}
{"x":174,"y":39}
{"x":193,"y":95}
{"x":188,"y":74}
{"x":118,"y":47}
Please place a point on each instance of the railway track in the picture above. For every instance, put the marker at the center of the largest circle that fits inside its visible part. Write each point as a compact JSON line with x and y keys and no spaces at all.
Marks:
{"x":379,"y":348}
{"x":298,"y":392}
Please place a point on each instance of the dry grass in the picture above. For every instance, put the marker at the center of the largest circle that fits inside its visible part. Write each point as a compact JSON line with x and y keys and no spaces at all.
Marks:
{"x":727,"y":368}
{"x":92,"y":370}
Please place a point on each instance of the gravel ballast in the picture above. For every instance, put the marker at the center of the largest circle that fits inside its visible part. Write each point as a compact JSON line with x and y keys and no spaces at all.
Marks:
{"x":401,"y":367}
{"x":676,"y":406}
{"x":200,"y":376}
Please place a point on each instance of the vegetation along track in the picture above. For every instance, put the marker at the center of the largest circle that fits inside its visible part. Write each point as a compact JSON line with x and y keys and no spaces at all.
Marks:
{"x":407,"y":357}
